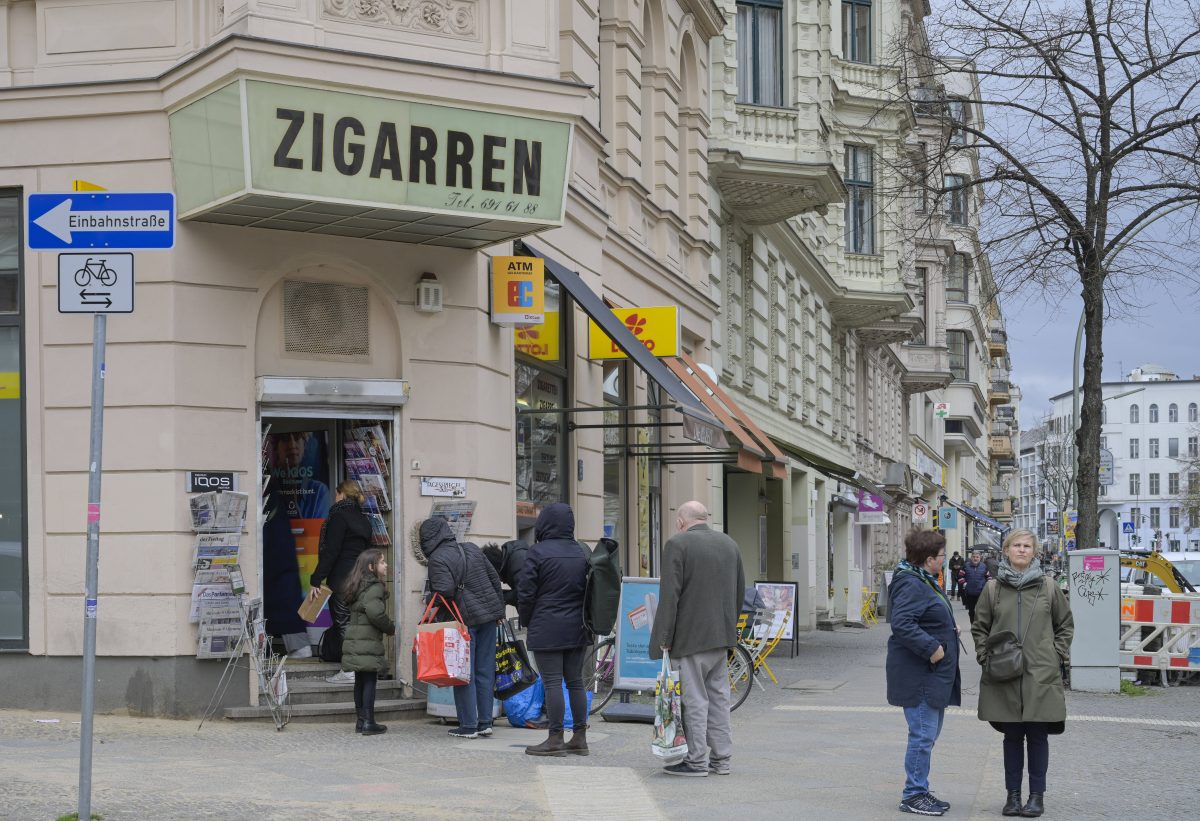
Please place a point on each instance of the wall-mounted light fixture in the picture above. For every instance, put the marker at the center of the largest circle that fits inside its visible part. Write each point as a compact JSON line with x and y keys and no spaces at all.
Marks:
{"x":429,"y":294}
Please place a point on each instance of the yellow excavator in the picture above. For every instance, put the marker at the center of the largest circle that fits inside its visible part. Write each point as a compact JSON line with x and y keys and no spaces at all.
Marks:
{"x":1157,"y":565}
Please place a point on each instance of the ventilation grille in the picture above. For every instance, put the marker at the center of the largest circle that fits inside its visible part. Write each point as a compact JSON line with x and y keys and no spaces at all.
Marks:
{"x":324,"y":318}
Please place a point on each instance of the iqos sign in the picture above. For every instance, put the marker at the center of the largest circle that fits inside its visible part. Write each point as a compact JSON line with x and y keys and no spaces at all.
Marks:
{"x":202,"y":481}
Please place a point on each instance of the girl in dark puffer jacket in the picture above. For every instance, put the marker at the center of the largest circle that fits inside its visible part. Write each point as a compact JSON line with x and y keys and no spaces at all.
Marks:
{"x":362,"y":650}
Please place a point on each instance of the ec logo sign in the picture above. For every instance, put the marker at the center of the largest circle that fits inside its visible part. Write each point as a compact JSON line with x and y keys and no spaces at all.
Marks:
{"x":518,"y":290}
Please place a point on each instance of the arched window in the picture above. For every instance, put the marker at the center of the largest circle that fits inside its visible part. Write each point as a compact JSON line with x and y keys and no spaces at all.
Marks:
{"x":1172,"y":412}
{"x":1192,"y":412}
{"x":1153,"y":413}
{"x":1133,"y":413}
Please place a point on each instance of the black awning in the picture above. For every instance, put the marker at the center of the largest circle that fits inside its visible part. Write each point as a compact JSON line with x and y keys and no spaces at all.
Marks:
{"x":704,"y":427}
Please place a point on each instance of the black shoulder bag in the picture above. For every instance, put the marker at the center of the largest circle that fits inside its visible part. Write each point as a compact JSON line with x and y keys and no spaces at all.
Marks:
{"x":1005,"y":658}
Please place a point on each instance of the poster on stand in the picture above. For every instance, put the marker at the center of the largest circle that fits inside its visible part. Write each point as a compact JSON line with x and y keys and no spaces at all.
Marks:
{"x":780,"y":597}
{"x":635,"y":670}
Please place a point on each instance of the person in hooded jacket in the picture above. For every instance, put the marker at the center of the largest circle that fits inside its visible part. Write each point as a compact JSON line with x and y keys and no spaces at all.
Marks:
{"x":922,"y":662}
{"x":1030,"y":708}
{"x":344,"y":536}
{"x":363,"y":653}
{"x":463,"y":575}
{"x":550,"y":603}
{"x":508,"y":559}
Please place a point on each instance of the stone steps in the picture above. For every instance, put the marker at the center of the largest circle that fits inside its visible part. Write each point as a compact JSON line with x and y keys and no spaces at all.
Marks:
{"x":341,"y":712}
{"x":318,"y":691}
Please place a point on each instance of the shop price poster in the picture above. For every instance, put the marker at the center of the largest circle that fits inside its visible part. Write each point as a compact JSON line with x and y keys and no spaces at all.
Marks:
{"x":635,"y":669}
{"x":458,"y":513}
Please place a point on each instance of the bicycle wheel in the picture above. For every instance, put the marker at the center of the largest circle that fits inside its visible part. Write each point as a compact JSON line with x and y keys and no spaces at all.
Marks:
{"x":598,"y":668}
{"x":107,"y":276}
{"x":741,"y":676}
{"x":83,"y":277}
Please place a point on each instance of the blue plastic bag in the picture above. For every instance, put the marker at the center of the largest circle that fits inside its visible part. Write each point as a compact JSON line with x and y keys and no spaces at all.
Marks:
{"x":525,"y":707}
{"x":568,"y":722}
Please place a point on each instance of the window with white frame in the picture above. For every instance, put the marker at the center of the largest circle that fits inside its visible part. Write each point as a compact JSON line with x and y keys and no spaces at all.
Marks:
{"x":1193,"y":412}
{"x":1133,"y":448}
{"x":760,"y":52}
{"x":1172,"y":412}
{"x":959,"y":344}
{"x":1173,"y":484}
{"x":1153,"y":484}
{"x":856,"y":30}
{"x":859,"y":176}
{"x":958,"y":278}
{"x":1173,"y":521}
{"x":1133,"y":413}
{"x":1155,"y":520}
{"x":956,"y":107}
{"x":1193,"y":447}
{"x":1153,"y":454}
{"x":955,"y":198}
{"x":1173,"y":447}
{"x":1153,"y":413}
{"x":1135,"y":484}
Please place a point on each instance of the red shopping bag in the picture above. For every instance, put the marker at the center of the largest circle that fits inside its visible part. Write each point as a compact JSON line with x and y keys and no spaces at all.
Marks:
{"x":443,"y":648}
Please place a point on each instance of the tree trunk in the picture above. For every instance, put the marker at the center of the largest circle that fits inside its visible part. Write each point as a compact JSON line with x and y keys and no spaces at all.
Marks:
{"x":1087,"y":438}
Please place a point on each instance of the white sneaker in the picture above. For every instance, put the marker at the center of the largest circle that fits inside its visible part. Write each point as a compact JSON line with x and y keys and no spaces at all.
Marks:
{"x":344,"y":677}
{"x":303,"y":653}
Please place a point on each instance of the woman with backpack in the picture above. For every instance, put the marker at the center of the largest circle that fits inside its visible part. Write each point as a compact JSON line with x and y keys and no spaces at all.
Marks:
{"x":365,"y":591}
{"x":1023,"y":630}
{"x":550,"y":602}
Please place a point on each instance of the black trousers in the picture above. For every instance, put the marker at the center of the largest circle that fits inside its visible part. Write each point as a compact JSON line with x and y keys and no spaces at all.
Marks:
{"x":339,"y":611}
{"x":1017,"y":736}
{"x":555,"y":666}
{"x":364,"y":690}
{"x":969,"y":601}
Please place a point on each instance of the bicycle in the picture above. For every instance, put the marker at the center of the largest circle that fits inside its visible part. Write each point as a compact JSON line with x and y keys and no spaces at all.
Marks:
{"x":97,"y":270}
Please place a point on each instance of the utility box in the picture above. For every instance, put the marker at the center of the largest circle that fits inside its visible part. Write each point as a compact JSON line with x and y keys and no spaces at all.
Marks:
{"x":1095,"y":595}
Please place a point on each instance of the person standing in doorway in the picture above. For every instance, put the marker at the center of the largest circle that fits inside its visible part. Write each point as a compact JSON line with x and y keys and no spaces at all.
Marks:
{"x":922,"y":662}
{"x":550,"y":602}
{"x":344,"y":536}
{"x":700,"y":594}
{"x":463,"y":575}
{"x":956,"y":566}
{"x":1030,"y":706}
{"x":973,"y":577}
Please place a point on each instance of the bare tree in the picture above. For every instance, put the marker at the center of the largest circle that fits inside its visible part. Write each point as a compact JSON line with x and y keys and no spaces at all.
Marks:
{"x":1091,"y":134}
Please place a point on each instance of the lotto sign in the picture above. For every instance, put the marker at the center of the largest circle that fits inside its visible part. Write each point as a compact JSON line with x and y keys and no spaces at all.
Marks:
{"x":518,"y":290}
{"x":656,"y":328}
{"x":920,"y":512}
{"x":539,"y":341}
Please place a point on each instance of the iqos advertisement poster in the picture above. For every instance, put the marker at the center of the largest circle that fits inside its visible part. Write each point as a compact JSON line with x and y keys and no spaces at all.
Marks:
{"x":639,"y":602}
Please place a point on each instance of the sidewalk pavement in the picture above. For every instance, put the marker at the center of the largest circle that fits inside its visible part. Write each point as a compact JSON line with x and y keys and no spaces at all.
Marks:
{"x":823,"y":745}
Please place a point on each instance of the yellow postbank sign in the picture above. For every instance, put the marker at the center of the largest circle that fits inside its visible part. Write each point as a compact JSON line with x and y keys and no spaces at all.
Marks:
{"x":518,"y":290}
{"x":657,"y":328}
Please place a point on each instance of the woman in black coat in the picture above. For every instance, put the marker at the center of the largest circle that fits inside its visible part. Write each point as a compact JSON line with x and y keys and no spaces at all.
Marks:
{"x":344,"y":536}
{"x":550,"y":603}
{"x":922,"y":662}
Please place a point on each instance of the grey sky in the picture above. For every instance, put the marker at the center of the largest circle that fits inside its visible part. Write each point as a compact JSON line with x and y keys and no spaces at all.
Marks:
{"x":1164,"y":330}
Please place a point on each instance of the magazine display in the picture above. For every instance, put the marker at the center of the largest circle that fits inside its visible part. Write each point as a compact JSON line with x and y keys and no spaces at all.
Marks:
{"x":367,"y":461}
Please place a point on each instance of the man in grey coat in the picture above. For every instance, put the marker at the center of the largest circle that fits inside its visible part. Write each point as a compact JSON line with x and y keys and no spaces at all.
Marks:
{"x":700,"y":593}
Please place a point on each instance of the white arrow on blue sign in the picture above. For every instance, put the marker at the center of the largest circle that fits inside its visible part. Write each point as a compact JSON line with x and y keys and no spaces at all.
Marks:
{"x":101,"y":220}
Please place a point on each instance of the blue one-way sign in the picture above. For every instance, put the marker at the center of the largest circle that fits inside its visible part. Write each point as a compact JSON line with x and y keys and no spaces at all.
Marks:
{"x":101,"y":220}
{"x":1128,"y":527}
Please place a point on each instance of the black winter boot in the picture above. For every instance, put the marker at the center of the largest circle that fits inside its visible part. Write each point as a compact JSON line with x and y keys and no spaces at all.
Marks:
{"x":358,"y":724}
{"x":578,"y":743}
{"x":1013,"y":805}
{"x":369,"y":725}
{"x":1033,"y":807}
{"x":553,"y":745}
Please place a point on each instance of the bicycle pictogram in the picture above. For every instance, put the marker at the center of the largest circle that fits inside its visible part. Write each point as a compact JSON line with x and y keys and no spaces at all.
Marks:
{"x":95,"y":269}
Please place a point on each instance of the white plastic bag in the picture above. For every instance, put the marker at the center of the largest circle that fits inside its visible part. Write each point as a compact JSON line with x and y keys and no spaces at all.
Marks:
{"x":669,"y":743}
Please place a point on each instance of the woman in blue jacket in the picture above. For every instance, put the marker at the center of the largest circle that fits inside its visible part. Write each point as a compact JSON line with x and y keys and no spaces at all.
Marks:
{"x":922,"y":662}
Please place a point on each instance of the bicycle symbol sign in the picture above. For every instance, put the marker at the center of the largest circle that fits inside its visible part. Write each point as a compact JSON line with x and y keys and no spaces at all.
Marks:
{"x":96,"y":283}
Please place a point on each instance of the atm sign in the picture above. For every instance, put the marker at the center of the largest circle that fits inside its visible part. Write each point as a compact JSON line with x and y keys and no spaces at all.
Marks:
{"x":656,"y":328}
{"x":518,"y":290}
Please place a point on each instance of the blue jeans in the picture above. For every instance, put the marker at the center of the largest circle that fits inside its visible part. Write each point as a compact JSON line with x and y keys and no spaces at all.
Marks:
{"x":474,"y":701}
{"x":924,"y":727}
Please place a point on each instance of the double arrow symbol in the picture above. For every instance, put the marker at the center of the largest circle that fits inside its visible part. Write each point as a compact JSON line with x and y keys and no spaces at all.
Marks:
{"x":106,"y":302}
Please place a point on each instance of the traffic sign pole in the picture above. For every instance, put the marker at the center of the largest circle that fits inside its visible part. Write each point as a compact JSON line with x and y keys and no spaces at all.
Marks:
{"x":91,"y":588}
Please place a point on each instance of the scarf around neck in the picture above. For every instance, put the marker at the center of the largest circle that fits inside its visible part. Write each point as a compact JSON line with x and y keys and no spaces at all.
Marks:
{"x":924,"y":575}
{"x":1009,"y":575}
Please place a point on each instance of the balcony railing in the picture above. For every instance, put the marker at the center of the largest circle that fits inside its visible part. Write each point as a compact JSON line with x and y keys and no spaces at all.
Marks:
{"x":1000,"y":445}
{"x":1002,"y":507}
{"x":769,"y":126}
{"x":998,"y":343}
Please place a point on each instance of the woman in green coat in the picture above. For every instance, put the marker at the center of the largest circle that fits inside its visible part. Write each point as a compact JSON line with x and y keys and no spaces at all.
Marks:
{"x":362,"y":648}
{"x":1031,"y":706}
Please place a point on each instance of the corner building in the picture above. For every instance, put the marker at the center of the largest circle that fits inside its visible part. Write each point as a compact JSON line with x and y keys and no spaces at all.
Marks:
{"x":344,"y":173}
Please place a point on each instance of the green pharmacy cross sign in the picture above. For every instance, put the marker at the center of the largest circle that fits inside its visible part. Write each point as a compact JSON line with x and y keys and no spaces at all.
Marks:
{"x":272,"y":155}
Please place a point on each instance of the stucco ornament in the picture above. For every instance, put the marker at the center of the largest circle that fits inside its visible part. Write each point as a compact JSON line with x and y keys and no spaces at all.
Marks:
{"x":455,"y":18}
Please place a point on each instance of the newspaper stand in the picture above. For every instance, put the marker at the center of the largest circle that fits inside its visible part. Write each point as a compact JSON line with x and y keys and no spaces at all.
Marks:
{"x":235,"y":624}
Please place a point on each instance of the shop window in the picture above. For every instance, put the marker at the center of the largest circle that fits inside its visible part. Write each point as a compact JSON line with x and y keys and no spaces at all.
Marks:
{"x":541,"y":387}
{"x":760,"y":52}
{"x":14,"y":606}
{"x":615,"y":439}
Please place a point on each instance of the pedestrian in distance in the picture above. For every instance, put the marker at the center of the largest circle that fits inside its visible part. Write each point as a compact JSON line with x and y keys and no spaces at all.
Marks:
{"x":973,"y":577}
{"x":363,"y":655}
{"x":956,"y":566}
{"x":1032,"y":706}
{"x":550,"y":604}
{"x":700,"y":593}
{"x":344,"y":537}
{"x":464,"y":576}
{"x":922,"y":662}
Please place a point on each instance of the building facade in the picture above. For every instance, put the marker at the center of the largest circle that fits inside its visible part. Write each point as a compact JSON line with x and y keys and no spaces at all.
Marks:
{"x":344,"y":174}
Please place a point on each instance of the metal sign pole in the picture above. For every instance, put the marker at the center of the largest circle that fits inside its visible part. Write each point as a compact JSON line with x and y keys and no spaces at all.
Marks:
{"x":99,"y":322}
